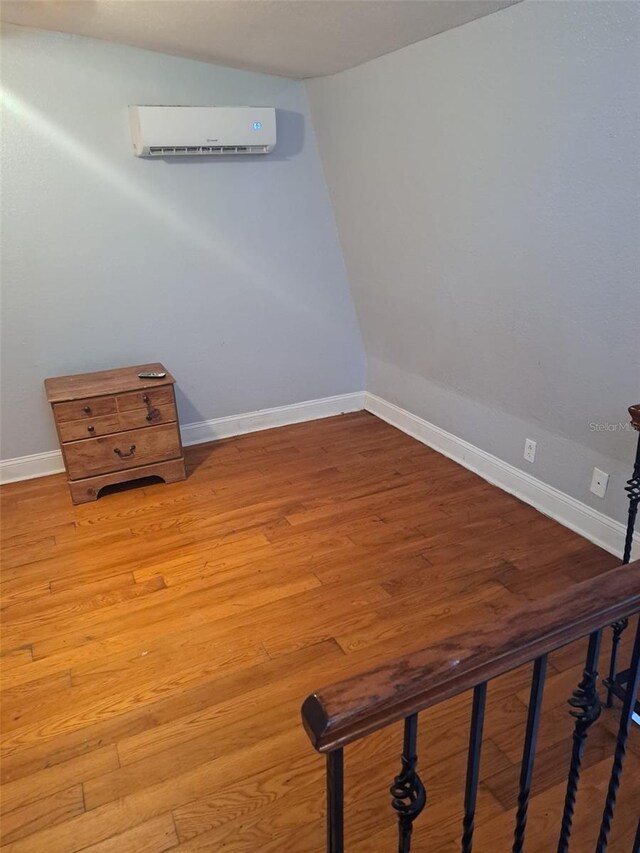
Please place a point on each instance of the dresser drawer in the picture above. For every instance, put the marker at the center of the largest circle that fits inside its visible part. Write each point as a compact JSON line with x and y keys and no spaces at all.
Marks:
{"x":121,"y":451}
{"x":91,"y":407}
{"x":89,"y":427}
{"x":154,"y":397}
{"x":136,"y":418}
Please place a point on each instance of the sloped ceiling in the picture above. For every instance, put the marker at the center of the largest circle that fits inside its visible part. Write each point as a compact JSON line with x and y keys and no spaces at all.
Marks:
{"x":292,"y":38}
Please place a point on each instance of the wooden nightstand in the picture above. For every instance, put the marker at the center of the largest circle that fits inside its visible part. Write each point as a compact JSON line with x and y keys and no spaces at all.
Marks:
{"x":114,"y":427}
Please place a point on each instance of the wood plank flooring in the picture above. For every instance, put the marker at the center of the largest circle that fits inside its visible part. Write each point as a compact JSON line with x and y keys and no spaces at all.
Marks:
{"x":157,"y":645}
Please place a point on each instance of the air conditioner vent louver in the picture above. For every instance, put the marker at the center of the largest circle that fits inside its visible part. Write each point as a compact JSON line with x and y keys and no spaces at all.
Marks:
{"x":172,"y":151}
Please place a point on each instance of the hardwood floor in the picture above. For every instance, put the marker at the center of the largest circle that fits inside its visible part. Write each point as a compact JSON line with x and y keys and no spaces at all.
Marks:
{"x":157,"y":645}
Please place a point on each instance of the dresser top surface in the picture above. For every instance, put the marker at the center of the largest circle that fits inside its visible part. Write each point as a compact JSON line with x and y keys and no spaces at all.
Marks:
{"x":122,"y":379}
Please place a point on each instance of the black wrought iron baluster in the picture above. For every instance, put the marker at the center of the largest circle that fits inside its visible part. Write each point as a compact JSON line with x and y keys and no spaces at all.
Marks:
{"x":408,"y":793}
{"x":335,"y":802}
{"x":473,"y":765}
{"x":633,"y":491}
{"x":529,"y":751}
{"x":618,"y":628}
{"x":621,"y":745}
{"x":586,"y":710}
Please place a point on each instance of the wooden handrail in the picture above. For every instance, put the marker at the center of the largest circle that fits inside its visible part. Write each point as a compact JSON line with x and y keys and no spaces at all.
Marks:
{"x":358,"y":706}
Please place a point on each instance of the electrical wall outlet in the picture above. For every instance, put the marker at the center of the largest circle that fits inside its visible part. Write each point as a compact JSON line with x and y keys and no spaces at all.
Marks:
{"x":599,"y":482}
{"x":529,"y":449}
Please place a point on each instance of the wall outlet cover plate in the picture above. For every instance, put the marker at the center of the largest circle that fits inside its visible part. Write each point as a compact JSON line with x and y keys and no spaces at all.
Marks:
{"x":599,"y":482}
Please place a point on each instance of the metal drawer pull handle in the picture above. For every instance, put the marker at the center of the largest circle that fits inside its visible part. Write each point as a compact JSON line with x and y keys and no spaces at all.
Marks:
{"x":86,"y":410}
{"x":152,"y":413}
{"x":122,"y":454}
{"x":91,"y":428}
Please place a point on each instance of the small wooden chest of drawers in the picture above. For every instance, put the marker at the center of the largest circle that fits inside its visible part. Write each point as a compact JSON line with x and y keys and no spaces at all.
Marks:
{"x":114,"y":426}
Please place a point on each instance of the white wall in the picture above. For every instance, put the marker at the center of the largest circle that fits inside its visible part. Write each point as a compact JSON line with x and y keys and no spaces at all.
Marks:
{"x":228,"y":271}
{"x":485,"y":183}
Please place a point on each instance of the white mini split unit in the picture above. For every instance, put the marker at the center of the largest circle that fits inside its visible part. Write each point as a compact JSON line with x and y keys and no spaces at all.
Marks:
{"x":199,"y":131}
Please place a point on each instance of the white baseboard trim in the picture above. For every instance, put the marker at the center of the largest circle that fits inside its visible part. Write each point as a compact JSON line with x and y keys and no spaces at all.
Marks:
{"x":572,"y":513}
{"x":29,"y":467}
{"x":50,"y":462}
{"x":295,"y":413}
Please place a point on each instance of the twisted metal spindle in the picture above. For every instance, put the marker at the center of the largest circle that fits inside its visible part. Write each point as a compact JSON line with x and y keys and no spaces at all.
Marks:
{"x":618,"y":629}
{"x":408,"y":794}
{"x":586,"y":710}
{"x":621,"y":746}
{"x":473,"y":765}
{"x":633,"y":491}
{"x":529,"y":751}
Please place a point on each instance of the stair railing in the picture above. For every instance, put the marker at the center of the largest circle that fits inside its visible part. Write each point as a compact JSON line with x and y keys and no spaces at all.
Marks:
{"x":342,"y":713}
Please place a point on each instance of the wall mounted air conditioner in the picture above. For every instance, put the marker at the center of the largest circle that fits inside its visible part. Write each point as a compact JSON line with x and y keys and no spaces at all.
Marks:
{"x":198,"y":131}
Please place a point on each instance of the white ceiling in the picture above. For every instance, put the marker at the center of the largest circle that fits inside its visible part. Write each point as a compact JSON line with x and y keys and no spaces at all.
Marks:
{"x":293,"y":38}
